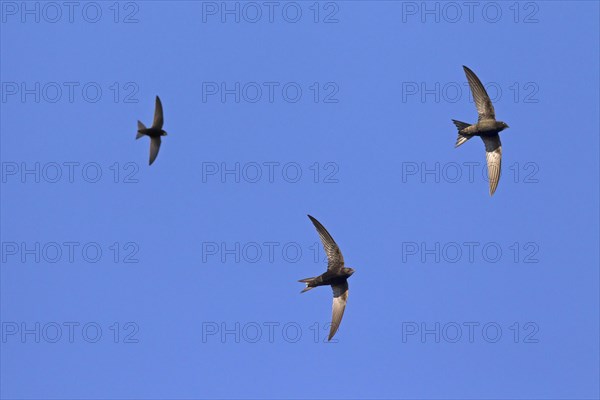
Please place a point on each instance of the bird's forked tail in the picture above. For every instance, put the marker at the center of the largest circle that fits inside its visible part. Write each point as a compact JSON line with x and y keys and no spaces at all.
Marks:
{"x":141,"y":129}
{"x":308,"y":281}
{"x":461,"y":136}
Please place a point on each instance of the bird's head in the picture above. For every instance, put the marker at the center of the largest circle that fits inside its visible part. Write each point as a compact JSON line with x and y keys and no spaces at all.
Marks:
{"x":503,"y":125}
{"x":348,"y":271}
{"x":163,"y":133}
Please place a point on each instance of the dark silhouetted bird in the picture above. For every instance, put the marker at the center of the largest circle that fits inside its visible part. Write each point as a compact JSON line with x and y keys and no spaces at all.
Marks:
{"x":154,"y":132}
{"x":336,"y":276}
{"x":486,"y":127}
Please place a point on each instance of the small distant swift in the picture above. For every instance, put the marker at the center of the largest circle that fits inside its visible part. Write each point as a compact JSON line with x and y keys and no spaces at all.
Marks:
{"x":154,"y":132}
{"x":486,"y":128}
{"x":336,"y":276}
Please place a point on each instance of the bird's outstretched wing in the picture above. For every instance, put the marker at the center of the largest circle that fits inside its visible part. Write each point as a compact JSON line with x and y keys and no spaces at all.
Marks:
{"x":493,"y":155}
{"x":334,"y":255}
{"x":158,"y":115}
{"x":154,"y":147}
{"x":340,"y":297}
{"x":484,"y":105}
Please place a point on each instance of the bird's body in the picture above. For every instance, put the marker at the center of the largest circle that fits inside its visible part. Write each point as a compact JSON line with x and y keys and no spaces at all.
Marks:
{"x":336,"y":276}
{"x":329,"y":278}
{"x":487,"y":127}
{"x":154,"y":132}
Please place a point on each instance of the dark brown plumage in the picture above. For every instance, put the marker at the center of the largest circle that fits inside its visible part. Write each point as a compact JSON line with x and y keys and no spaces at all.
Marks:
{"x":486,"y":127}
{"x":336,"y":276}
{"x":154,"y":132}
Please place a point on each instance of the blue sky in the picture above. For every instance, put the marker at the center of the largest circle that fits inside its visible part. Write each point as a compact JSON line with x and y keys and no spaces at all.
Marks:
{"x":179,"y":280}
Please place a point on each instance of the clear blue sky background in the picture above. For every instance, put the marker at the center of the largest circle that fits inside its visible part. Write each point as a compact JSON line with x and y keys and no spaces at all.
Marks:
{"x":372,"y":134}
